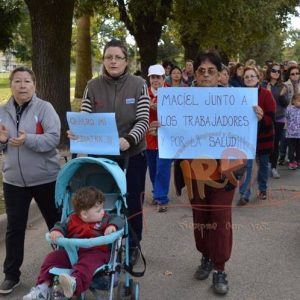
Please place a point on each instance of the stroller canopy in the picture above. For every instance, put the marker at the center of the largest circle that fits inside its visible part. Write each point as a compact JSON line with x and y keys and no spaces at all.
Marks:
{"x":102,"y":173}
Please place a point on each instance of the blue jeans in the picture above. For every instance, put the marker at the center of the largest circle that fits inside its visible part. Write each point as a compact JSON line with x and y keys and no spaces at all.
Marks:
{"x":245,"y":187}
{"x":160,"y":172}
{"x":262,"y":175}
{"x":263,"y":171}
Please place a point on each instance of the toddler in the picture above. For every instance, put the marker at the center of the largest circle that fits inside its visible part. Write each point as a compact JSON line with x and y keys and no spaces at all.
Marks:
{"x":88,"y":220}
{"x":293,"y":132}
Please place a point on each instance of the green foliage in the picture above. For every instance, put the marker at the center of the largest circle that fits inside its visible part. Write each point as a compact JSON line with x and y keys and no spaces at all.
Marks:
{"x":232,"y":26}
{"x":292,"y":49}
{"x":10,"y":16}
{"x":168,"y":49}
{"x":22,"y":39}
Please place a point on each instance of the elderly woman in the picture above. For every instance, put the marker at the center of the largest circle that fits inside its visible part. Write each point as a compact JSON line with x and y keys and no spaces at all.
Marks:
{"x":265,"y":139}
{"x":126,"y":95}
{"x":29,"y":135}
{"x":159,"y":168}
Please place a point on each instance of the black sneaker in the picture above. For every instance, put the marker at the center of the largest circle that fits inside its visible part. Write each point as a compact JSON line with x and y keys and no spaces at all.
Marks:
{"x":162,"y":208}
{"x":204,"y":269}
{"x":243,"y":201}
{"x":262,"y":195}
{"x":7,"y":286}
{"x":220,"y":284}
{"x":281,"y":161}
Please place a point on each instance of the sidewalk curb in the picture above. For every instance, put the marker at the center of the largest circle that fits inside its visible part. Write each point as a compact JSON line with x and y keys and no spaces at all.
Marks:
{"x":33,"y":216}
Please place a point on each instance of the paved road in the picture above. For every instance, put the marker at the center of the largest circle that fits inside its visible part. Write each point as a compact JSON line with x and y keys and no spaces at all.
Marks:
{"x":265,"y":260}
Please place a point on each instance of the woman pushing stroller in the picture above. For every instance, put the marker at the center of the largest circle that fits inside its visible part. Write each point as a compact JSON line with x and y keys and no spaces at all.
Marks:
{"x":88,"y":220}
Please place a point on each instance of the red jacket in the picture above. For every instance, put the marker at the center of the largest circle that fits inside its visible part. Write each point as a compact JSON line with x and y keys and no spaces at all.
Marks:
{"x":266,"y":132}
{"x":152,"y":143}
{"x":74,"y":227}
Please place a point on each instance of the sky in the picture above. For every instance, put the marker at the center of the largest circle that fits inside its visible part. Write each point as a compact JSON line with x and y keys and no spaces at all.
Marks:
{"x":295,"y":21}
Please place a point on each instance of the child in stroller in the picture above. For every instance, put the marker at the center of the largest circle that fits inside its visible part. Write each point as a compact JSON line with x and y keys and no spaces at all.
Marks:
{"x":88,"y":220}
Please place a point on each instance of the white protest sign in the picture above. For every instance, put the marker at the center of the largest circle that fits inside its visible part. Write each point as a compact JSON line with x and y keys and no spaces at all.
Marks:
{"x":204,"y":122}
{"x":96,"y":133}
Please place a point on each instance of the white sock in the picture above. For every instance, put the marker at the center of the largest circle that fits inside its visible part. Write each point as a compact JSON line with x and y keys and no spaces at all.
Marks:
{"x":43,"y":286}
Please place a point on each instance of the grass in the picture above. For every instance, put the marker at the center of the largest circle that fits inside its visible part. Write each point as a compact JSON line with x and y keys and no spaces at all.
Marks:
{"x":5,"y":94}
{"x":4,"y":87}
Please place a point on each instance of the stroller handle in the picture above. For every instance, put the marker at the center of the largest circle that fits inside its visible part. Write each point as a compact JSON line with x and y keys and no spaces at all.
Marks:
{"x":87,"y":242}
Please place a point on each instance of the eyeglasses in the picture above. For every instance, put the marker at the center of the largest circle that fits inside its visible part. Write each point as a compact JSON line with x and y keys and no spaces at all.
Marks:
{"x":210,"y":71}
{"x":275,"y":71}
{"x":250,"y":77}
{"x":293,"y":74}
{"x":116,"y":58}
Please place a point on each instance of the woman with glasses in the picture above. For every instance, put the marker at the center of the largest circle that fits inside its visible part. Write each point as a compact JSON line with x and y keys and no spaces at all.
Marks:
{"x":29,"y":135}
{"x":293,"y":87}
{"x":265,"y":138}
{"x":210,"y":196}
{"x":274,"y":84}
{"x":117,"y":91}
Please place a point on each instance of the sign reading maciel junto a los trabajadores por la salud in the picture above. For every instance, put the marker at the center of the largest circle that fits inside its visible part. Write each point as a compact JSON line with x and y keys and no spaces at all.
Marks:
{"x":204,"y":122}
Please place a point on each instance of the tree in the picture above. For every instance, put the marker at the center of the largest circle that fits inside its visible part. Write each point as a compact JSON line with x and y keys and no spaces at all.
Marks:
{"x":51,"y":24}
{"x":21,"y":46}
{"x":231,"y":26}
{"x":10,"y":16}
{"x":168,"y":47}
{"x":83,"y":55}
{"x":144,"y":20}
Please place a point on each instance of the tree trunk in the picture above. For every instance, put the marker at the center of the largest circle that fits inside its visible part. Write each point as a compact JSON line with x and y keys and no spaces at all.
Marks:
{"x":147,"y":45}
{"x":51,"y":23}
{"x":83,"y":55}
{"x":191,"y":49}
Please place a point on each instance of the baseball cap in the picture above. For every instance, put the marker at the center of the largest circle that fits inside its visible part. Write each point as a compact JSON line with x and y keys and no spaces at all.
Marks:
{"x":156,"y":70}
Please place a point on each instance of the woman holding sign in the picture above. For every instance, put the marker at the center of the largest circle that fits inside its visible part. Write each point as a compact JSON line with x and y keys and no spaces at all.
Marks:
{"x":211,"y":185}
{"x":29,"y":135}
{"x":265,"y":139}
{"x":126,"y":95}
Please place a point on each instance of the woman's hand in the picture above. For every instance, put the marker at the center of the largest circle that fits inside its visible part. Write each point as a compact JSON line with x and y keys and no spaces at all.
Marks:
{"x":259,"y":112}
{"x":153,"y":127}
{"x":71,"y":135}
{"x":124,"y":144}
{"x":3,"y":134}
{"x":283,"y":91}
{"x":55,"y":234}
{"x":153,"y":105}
{"x":18,"y":141}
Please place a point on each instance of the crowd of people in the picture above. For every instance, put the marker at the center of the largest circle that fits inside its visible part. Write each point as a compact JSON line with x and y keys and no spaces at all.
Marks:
{"x":30,"y":132}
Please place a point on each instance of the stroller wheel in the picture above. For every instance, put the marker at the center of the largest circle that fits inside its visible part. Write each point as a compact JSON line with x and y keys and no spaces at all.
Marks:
{"x":131,"y":293}
{"x":135,"y":290}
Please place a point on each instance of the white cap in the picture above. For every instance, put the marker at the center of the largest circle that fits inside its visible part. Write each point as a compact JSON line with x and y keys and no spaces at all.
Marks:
{"x":156,"y":70}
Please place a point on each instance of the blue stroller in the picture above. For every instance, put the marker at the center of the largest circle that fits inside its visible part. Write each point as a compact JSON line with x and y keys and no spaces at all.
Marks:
{"x":106,"y":175}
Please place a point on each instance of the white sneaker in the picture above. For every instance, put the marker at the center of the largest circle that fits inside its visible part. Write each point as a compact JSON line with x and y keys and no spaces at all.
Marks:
{"x":275,"y":173}
{"x":68,"y":284}
{"x":36,"y":293}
